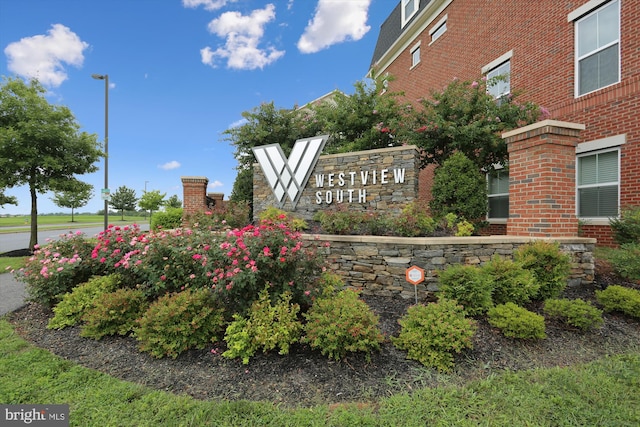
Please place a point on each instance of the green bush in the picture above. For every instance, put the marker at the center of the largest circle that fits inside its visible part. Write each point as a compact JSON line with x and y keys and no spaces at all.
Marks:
{"x":267,"y":327}
{"x":276,"y":215}
{"x":166,"y":220}
{"x":413,"y":221}
{"x":578,"y":313}
{"x":179,"y":321}
{"x":517,"y":322}
{"x":56,"y":268}
{"x":619,"y":298}
{"x":74,"y":304}
{"x":510,"y":281}
{"x":626,"y":261}
{"x":626,"y":228}
{"x":113,"y":313}
{"x":548,"y":264}
{"x":459,"y":188}
{"x":341,"y":323}
{"x":339,"y":220}
{"x":468,"y":286}
{"x":432,"y":333}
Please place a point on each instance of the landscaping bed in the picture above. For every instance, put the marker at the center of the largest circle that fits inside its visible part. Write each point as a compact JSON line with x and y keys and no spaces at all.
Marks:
{"x":305,"y":378}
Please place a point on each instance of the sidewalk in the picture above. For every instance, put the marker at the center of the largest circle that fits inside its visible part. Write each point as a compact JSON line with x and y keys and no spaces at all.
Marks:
{"x":12,"y":293}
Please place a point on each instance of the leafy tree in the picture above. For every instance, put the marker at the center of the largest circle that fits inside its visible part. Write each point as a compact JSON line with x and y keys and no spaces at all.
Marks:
{"x":173,"y":202}
{"x":40,"y":144}
{"x":369,"y":118}
{"x":459,"y":188}
{"x":75,"y":195}
{"x":151,"y":201}
{"x":465,"y":118}
{"x":7,"y":200}
{"x":124,"y":199}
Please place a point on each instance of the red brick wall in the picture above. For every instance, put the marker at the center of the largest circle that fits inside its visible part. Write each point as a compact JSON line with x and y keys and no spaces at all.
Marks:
{"x":542,"y":67}
{"x":194,"y":194}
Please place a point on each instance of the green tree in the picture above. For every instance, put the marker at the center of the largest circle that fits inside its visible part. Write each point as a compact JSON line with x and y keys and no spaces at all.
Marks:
{"x":151,"y":201}
{"x":124,"y":199}
{"x":40,"y":144}
{"x":75,"y":195}
{"x":173,"y":202}
{"x":7,"y":200}
{"x":465,"y":118}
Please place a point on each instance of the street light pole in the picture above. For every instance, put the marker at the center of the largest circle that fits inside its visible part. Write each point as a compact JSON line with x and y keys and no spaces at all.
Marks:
{"x":105,"y":77}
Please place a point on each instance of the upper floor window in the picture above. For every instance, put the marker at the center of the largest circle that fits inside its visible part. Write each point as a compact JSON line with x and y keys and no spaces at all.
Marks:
{"x":409,"y":8}
{"x":498,"y":74}
{"x":439,"y":29}
{"x":415,"y":55}
{"x":597,"y":39}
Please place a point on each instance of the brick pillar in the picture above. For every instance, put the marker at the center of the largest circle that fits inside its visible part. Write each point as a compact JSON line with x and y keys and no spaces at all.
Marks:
{"x":542,"y":179}
{"x":194,"y":192}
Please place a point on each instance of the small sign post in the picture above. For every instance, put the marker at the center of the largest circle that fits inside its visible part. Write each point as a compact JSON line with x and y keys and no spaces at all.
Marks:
{"x":415,"y":275}
{"x":106,"y":194}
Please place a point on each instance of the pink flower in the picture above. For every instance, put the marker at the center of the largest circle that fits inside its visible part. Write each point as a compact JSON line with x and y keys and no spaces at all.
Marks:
{"x":266,"y":251}
{"x":474,"y":84}
{"x":163,"y":277}
{"x":196,"y":256}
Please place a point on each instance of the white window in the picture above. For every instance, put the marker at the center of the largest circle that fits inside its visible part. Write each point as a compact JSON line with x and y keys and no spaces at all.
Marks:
{"x":597,"y":39}
{"x":499,"y":81}
{"x":438,"y":29}
{"x":498,"y":191}
{"x":409,"y":8}
{"x":598,"y":184}
{"x":415,"y":55}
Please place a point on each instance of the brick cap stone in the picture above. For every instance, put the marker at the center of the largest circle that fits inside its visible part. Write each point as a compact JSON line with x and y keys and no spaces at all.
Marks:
{"x":194,"y":179}
{"x":543,"y":123}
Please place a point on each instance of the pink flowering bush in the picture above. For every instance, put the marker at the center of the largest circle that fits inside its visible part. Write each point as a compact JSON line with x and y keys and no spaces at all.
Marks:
{"x":57,"y":267}
{"x":115,"y":247}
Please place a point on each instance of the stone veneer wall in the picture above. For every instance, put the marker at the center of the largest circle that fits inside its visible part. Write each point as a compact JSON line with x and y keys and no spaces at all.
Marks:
{"x":388,"y":197}
{"x":377,"y":265}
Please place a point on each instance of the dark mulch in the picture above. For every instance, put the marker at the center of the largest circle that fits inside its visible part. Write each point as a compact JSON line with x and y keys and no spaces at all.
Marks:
{"x":306,"y":378}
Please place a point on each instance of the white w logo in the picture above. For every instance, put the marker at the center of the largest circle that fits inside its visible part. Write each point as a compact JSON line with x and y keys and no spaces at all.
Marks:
{"x":290,"y":177}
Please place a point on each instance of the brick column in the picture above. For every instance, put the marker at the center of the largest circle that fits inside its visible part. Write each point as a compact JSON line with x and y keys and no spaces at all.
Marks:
{"x":194,"y":194}
{"x":542,"y":179}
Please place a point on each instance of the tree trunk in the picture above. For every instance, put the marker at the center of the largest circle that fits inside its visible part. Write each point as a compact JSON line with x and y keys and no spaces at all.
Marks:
{"x":33,"y":240}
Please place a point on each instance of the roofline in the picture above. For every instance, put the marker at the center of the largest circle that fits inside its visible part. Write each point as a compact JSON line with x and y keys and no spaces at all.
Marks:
{"x":420,"y":23}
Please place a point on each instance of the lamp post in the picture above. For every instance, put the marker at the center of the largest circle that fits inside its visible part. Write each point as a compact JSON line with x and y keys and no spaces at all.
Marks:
{"x":105,"y":191}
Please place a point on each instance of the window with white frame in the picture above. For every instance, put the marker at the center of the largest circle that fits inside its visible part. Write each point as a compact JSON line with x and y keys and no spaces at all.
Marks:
{"x":498,"y":80}
{"x":498,"y":192}
{"x":415,"y":55}
{"x":598,"y":184}
{"x":438,"y":29}
{"x":409,"y":8}
{"x":597,"y":39}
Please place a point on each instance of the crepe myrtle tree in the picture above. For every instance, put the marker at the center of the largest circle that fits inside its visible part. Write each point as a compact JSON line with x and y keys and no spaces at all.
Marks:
{"x":124,"y":199}
{"x":151,"y":201}
{"x":76,"y":194}
{"x":40,"y":144}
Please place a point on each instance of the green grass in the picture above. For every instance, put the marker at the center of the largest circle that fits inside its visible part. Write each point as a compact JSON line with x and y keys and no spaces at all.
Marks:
{"x":14,"y":263}
{"x":22,"y":223}
{"x":603,"y":393}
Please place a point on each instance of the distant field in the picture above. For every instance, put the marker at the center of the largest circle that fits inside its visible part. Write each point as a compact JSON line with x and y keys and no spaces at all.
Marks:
{"x":49,"y":220}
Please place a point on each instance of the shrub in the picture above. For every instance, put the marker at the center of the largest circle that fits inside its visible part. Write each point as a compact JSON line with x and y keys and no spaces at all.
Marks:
{"x":464,"y":228}
{"x":267,"y":327}
{"x":113,"y":313}
{"x":56,"y":268}
{"x":276,"y":215}
{"x":517,"y":322}
{"x":459,"y":188}
{"x":578,"y":313}
{"x":548,"y":264}
{"x":619,"y":298}
{"x":413,"y":221}
{"x":468,"y":286}
{"x":626,"y":261}
{"x":179,"y":321}
{"x":341,"y":323}
{"x":226,"y":216}
{"x":74,"y":304}
{"x":339,"y":220}
{"x":114,"y":247}
{"x":510,"y":281}
{"x":432,"y":333}
{"x":626,"y":228}
{"x":167,"y":220}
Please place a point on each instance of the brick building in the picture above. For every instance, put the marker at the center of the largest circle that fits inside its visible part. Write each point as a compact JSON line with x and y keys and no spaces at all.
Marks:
{"x":579,"y":59}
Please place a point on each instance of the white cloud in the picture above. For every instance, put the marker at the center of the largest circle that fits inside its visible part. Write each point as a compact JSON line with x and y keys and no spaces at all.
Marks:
{"x":215,"y":184}
{"x":335,"y":22}
{"x":170,"y":165}
{"x":243,"y":34}
{"x":238,"y":123}
{"x":207,"y":4}
{"x":44,"y":56}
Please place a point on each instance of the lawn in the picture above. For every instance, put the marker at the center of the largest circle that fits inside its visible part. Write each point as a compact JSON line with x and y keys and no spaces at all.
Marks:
{"x":604,"y":392}
{"x":22,"y":223}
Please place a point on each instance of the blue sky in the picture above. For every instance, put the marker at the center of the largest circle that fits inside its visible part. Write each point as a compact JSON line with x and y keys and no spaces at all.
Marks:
{"x":181,"y":72}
